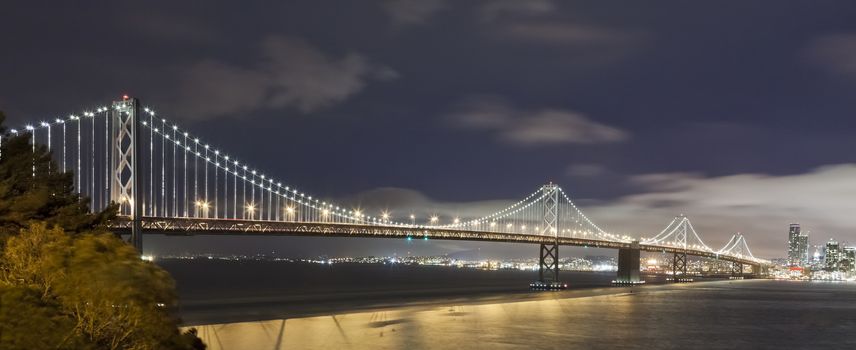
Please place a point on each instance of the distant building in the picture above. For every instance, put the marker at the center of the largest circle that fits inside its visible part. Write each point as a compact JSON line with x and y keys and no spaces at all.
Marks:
{"x":832,"y":258}
{"x":848,"y":259}
{"x":798,"y":248}
{"x":803,"y":249}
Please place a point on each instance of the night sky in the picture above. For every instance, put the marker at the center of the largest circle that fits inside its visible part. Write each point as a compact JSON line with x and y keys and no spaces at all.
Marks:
{"x":738,"y":114}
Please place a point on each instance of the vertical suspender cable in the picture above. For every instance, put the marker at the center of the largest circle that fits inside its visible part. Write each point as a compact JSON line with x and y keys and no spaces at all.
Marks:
{"x":79,"y":185}
{"x":174,"y":190}
{"x":92,"y":162}
{"x":152,"y":201}
{"x":107,"y":150}
{"x":164,"y":209}
{"x":64,"y":150}
{"x":195,"y":177}
{"x":205,"y":185}
{"x":216,"y":171}
{"x":184,"y":186}
{"x":235,"y":192}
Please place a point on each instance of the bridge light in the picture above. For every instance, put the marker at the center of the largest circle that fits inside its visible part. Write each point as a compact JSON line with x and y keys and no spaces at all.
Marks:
{"x":492,"y":223}
{"x":385,"y":216}
{"x":456,"y":221}
{"x":434,"y":219}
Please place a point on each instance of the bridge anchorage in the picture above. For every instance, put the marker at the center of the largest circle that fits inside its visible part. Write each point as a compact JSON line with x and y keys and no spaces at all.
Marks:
{"x":166,"y":180}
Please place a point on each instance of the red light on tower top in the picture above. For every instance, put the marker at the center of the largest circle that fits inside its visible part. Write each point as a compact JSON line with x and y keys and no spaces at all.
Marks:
{"x":125,"y":97}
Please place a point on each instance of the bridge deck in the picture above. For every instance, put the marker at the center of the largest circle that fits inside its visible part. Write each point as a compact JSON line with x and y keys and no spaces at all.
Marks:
{"x":196,"y":226}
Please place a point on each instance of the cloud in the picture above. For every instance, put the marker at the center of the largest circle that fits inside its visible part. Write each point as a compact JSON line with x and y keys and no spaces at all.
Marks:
{"x":497,"y":9}
{"x":532,"y":127}
{"x":586,"y":170}
{"x":210,"y":88}
{"x":836,"y":52}
{"x":305,"y":77}
{"x":288,"y":73}
{"x":567,"y":33}
{"x":411,"y":12}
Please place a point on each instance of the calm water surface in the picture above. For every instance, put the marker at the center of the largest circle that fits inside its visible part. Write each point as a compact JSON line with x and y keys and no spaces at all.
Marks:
{"x":383,"y":308}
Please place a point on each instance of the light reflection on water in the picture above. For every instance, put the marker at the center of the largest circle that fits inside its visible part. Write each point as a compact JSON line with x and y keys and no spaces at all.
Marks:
{"x":717,"y":315}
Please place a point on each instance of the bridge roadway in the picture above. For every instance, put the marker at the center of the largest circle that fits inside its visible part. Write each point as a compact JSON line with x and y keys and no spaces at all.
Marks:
{"x":198,"y":226}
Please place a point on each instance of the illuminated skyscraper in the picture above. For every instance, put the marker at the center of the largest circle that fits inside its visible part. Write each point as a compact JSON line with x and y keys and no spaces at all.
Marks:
{"x":797,"y":246}
{"x":832,"y":258}
{"x":848,"y":259}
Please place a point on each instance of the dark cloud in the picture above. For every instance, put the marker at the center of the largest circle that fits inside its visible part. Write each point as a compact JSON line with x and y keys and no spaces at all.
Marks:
{"x":213,"y":89}
{"x":289,"y":73}
{"x":498,"y":9}
{"x":533,"y":127}
{"x":586,"y":170}
{"x":409,"y":12}
{"x":836,"y":53}
{"x":562,"y":33}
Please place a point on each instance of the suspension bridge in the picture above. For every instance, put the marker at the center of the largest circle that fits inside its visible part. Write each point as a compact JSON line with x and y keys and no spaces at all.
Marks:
{"x":166,"y":180}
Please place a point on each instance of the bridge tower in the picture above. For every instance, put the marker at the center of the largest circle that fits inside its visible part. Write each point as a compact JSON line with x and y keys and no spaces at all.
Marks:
{"x":125,"y":183}
{"x":548,"y":271}
{"x":737,"y":249}
{"x":679,"y":260}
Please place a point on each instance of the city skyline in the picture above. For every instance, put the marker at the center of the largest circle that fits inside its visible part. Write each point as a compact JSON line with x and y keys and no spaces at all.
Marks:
{"x":503,"y":99}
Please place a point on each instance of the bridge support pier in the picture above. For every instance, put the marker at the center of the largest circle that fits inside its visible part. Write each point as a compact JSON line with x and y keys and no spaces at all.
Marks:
{"x":628,"y":265}
{"x":759,"y":270}
{"x":736,"y":270}
{"x":548,"y":270}
{"x":679,"y":267}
